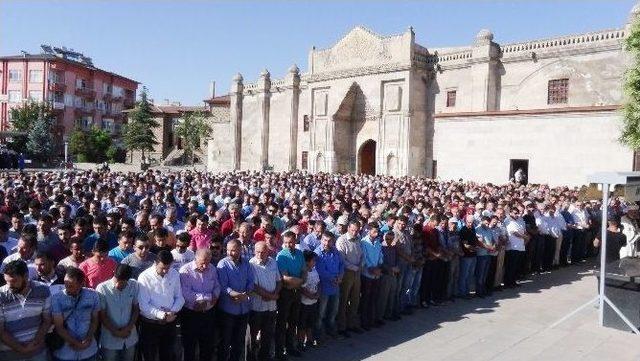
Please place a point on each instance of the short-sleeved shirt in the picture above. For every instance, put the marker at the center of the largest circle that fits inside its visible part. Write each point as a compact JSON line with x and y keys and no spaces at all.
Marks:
{"x":266,"y":276}
{"x":118,"y":304}
{"x":290,"y":262}
{"x":95,"y":273}
{"x":118,"y":254}
{"x":311,"y":285}
{"x":78,"y":322}
{"x":22,"y":316}
{"x":137,"y":264}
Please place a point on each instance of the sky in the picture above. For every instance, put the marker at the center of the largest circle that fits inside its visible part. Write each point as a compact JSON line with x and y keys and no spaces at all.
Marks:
{"x":176,"y":48}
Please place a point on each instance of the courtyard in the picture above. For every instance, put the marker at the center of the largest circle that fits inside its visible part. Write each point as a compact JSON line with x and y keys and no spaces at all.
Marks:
{"x":511,"y":325}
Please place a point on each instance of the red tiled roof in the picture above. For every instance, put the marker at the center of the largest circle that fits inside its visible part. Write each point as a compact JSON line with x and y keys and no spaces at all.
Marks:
{"x":222,"y":100}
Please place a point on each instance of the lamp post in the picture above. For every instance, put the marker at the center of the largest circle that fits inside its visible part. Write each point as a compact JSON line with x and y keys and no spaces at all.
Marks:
{"x":66,"y":153}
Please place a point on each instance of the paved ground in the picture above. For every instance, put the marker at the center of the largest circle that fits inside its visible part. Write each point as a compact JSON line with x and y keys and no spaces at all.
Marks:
{"x":513,"y":325}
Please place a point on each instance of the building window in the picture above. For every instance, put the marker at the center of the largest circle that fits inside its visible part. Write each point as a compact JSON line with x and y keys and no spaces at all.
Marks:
{"x":305,"y":160}
{"x":451,"y":98}
{"x":35,"y":95}
{"x":15,"y":75}
{"x":305,"y":123}
{"x":557,"y":91}
{"x":15,"y":96}
{"x":35,"y":76}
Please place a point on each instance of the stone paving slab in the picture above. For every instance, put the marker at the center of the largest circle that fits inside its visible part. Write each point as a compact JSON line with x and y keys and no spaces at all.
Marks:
{"x":512,"y":325}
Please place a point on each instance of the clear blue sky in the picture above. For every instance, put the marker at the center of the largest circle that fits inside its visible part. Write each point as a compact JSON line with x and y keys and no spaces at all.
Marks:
{"x":176,"y":48}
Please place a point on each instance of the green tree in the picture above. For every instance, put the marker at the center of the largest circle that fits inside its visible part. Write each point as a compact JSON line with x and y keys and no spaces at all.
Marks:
{"x":40,"y":140}
{"x":631,"y":111}
{"x":138,"y":132}
{"x":23,"y":118}
{"x":192,"y":128}
{"x":91,"y":145}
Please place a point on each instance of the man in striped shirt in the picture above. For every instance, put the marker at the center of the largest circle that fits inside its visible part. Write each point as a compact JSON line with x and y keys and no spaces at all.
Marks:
{"x":24,"y":315}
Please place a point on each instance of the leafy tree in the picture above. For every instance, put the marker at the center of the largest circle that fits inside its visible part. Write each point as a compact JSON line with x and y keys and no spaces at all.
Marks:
{"x":192,"y":128}
{"x":138,"y":132}
{"x":23,"y":118}
{"x":40,"y":140}
{"x":91,"y":145}
{"x":631,"y":120}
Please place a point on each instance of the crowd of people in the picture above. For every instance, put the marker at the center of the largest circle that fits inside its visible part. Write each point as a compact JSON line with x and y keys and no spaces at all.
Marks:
{"x":195,"y":266}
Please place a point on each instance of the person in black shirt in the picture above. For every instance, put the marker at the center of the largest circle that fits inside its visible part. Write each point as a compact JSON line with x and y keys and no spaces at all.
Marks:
{"x":468,"y":242}
{"x":615,"y":240}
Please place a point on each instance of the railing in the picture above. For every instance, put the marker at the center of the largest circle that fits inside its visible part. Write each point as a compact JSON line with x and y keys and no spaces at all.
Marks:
{"x":617,"y":34}
{"x":57,"y":105}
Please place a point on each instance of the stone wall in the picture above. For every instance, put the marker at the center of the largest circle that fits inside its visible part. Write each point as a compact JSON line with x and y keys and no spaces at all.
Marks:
{"x":561,"y":149}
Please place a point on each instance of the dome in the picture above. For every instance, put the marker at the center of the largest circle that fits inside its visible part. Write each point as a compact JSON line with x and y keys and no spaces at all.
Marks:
{"x":484,"y":34}
{"x":237,"y":77}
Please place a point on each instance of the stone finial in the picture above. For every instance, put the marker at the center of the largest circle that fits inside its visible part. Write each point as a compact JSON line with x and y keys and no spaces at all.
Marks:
{"x":238,"y":78}
{"x":294,"y":69}
{"x":410,"y":29}
{"x":265,"y":73}
{"x":484,"y":35}
{"x":635,"y":11}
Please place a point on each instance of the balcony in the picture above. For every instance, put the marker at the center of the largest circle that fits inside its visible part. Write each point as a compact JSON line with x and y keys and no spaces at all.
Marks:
{"x":107,"y":96}
{"x":57,"y":85}
{"x":57,"y":106}
{"x":129,"y":103}
{"x":84,"y":110}
{"x":86,"y":92}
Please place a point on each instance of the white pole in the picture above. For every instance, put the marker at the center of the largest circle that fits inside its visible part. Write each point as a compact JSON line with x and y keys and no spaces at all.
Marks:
{"x":66,"y":152}
{"x":603,"y":247}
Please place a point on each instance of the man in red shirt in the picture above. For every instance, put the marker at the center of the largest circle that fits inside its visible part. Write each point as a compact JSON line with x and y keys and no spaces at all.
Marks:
{"x":99,"y":267}
{"x":229,"y":225}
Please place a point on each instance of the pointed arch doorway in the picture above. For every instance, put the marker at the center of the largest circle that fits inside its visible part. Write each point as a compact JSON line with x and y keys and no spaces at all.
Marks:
{"x":367,"y":158}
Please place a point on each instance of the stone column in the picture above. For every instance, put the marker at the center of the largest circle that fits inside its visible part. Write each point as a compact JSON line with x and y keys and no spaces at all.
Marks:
{"x":264,"y":99}
{"x":484,"y":73}
{"x":293,"y":81}
{"x":236,"y":119}
{"x":330,"y":154}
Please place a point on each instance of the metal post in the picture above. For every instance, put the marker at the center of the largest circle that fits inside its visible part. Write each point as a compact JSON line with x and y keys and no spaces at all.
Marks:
{"x":603,"y":248}
{"x":66,"y":152}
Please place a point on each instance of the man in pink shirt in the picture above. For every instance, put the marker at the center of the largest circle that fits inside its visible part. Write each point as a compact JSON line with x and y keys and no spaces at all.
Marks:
{"x":99,"y":267}
{"x":201,"y":235}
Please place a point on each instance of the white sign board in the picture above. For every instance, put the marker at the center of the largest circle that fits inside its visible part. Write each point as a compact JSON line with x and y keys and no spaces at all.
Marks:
{"x":632,"y":192}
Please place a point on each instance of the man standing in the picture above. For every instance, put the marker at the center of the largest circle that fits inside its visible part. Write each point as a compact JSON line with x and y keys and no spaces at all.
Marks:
{"x":200,"y":288}
{"x":236,"y":284}
{"x":160,"y":298}
{"x":119,"y":313}
{"x":75,"y":315}
{"x":469,"y":242}
{"x":140,"y":259}
{"x":330,"y":268}
{"x":516,"y":231}
{"x":26,"y":252}
{"x":292,"y":268}
{"x":125,"y":246}
{"x":372,"y":270}
{"x":99,"y":267}
{"x":349,"y":247}
{"x":47,"y":272}
{"x":24,"y":315}
{"x":267,"y":286}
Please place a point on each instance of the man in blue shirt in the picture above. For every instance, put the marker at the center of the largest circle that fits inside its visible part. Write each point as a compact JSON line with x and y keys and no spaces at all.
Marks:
{"x":483,"y":260}
{"x":236,"y":283}
{"x":75,"y":315}
{"x":292,"y":268}
{"x":372,"y":254}
{"x":100,"y":231}
{"x":312,"y":240}
{"x":330,"y":268}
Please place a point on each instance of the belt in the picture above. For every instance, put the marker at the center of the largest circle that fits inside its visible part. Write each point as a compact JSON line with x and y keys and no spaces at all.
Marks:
{"x":157,"y":322}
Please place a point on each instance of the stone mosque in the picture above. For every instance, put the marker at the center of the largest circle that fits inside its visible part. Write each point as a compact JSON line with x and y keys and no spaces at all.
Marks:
{"x":387,"y":105}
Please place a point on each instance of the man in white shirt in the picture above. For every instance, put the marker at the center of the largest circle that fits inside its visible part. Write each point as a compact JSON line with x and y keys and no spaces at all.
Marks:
{"x":160,"y":299}
{"x":514,"y":255}
{"x":581,"y":221}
